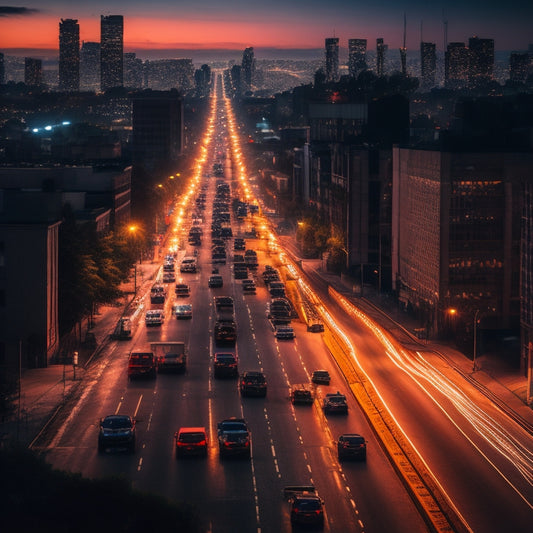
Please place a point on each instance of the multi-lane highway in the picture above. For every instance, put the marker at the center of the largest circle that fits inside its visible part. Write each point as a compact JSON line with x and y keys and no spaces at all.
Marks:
{"x":291,"y":444}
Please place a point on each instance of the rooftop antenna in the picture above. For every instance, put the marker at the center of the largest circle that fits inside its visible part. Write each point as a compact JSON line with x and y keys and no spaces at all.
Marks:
{"x":403,"y":49}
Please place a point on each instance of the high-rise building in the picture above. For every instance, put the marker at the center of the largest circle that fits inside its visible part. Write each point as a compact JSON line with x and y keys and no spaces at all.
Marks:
{"x":332,"y":59}
{"x":428,"y":65}
{"x":456,"y":66}
{"x":111,"y":51}
{"x":69,"y":55}
{"x":381,"y":48}
{"x":33,"y":71}
{"x":133,"y":71}
{"x":481,"y":68}
{"x":90,"y":66}
{"x":247,"y":68}
{"x":520,"y":66}
{"x":356,"y":56}
{"x":2,"y":69}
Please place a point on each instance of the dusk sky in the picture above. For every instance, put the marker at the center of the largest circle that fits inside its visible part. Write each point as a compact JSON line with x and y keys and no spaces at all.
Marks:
{"x":235,"y":24}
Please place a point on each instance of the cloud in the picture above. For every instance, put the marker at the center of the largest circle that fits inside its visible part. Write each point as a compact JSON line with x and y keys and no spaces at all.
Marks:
{"x":9,"y":11}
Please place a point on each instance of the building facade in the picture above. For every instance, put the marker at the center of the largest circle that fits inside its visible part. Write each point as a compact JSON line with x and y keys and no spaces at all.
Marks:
{"x":247,"y":69}
{"x":428,"y":65}
{"x":90,"y":66}
{"x":69,"y":55}
{"x":456,"y":66}
{"x":356,"y":56}
{"x":455,"y":236}
{"x":111,"y":51}
{"x":33,"y":71}
{"x":481,"y":61}
{"x":332,"y":59}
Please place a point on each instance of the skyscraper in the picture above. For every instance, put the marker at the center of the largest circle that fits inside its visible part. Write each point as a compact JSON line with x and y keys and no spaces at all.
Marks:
{"x":90,"y":66}
{"x":520,"y":66}
{"x":380,"y":56}
{"x":248,"y":68}
{"x":2,"y":69}
{"x":33,"y":71}
{"x":69,"y":55}
{"x":111,"y":51}
{"x":356,"y":56}
{"x":456,"y":64}
{"x":133,"y":71}
{"x":481,"y":61}
{"x":332,"y":59}
{"x":428,"y":65}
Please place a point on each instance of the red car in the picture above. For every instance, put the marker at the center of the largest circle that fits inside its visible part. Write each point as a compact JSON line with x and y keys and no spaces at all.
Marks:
{"x":191,"y":441}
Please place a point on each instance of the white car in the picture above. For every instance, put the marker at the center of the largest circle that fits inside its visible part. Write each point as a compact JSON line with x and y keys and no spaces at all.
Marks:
{"x":154,"y":317}
{"x":183,"y":311}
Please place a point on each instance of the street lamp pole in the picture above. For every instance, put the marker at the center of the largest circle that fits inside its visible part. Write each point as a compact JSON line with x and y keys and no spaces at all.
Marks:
{"x":476,"y":314}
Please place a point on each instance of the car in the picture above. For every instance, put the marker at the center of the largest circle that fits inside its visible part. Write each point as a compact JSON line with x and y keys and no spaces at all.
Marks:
{"x":225,"y":365}
{"x":169,"y":277}
{"x":154,"y":317}
{"x":351,"y":446}
{"x":191,"y":441}
{"x":158,"y":294}
{"x":248,"y":286}
{"x":117,"y":431}
{"x":285,"y":333}
{"x":171,"y":363}
{"x":302,"y":394}
{"x":240,"y":271}
{"x":183,"y":311}
{"x":215,"y":281}
{"x":307,"y":509}
{"x":182,"y":290}
{"x":335,"y":403}
{"x":233,"y":438}
{"x":315,"y":326}
{"x":253,"y":383}
{"x":321,"y":377}
{"x":141,"y":365}
{"x":188,"y":264}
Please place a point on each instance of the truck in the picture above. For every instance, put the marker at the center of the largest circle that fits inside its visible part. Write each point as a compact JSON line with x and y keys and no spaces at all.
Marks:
{"x":141,"y":364}
{"x":170,"y":357}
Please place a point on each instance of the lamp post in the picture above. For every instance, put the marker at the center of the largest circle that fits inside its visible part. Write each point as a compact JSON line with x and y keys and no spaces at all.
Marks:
{"x":476,"y":314}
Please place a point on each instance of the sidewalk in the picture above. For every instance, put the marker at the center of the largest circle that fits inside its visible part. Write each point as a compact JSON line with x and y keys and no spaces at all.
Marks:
{"x":43,"y":391}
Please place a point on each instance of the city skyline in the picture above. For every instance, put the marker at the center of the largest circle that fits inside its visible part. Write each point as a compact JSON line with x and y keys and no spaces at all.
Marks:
{"x":208,"y":24}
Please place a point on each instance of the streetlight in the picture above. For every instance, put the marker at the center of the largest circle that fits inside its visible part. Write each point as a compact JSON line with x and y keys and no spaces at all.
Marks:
{"x":476,"y":314}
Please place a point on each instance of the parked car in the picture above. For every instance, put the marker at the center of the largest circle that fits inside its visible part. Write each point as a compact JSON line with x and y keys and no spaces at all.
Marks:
{"x":191,"y":441}
{"x":351,"y":446}
{"x":117,"y":431}
{"x":248,"y":286}
{"x":321,"y":377}
{"x":233,"y":437}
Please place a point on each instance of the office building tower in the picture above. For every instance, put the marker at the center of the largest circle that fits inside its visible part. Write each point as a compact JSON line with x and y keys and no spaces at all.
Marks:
{"x":520,"y":66}
{"x":69,"y":55}
{"x":356,"y":56}
{"x":456,"y":65}
{"x":111,"y":51}
{"x":33,"y":71}
{"x":247,"y":68}
{"x":2,"y":69}
{"x":332,"y":59}
{"x":90,"y":66}
{"x":481,"y":68}
{"x":428,"y":65}
{"x":133,"y":71}
{"x":381,"y":48}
